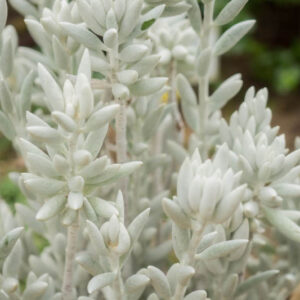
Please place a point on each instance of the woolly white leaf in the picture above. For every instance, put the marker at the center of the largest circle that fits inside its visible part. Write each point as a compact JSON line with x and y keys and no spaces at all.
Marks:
{"x":232,"y":36}
{"x":83,"y":36}
{"x":282,"y":223}
{"x":8,"y":242}
{"x":51,"y":207}
{"x":196,"y":295}
{"x":35,"y":290}
{"x":226,"y":91}
{"x":159,"y":282}
{"x":100,"y":281}
{"x":175,"y":213}
{"x":130,"y":18}
{"x":221,"y":249}
{"x":254,"y":280}
{"x":3,"y":14}
{"x":65,"y":121}
{"x":146,"y":87}
{"x":133,"y":53}
{"x":230,"y":11}
{"x":54,"y":96}
{"x":101,"y":117}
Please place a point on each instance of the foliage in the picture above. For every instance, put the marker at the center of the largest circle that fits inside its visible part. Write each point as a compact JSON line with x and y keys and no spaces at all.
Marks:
{"x":136,"y":187}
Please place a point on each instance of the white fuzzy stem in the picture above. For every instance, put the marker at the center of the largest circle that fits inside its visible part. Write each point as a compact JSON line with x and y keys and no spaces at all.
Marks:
{"x":189,"y":260}
{"x":203,"y":83}
{"x":67,"y":288}
{"x":176,"y":112}
{"x":121,"y":144}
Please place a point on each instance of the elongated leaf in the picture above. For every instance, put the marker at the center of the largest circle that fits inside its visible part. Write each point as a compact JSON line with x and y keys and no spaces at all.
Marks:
{"x":6,"y":127}
{"x":221,"y":249}
{"x":51,"y":208}
{"x":282,"y":223}
{"x":3,"y":14}
{"x":8,"y":242}
{"x":226,"y":91}
{"x":54,"y":96}
{"x":159,"y":282}
{"x":83,"y":36}
{"x":232,"y":36}
{"x":35,"y":290}
{"x":100,"y":281}
{"x":230,"y":11}
{"x":255,"y":280}
{"x":145,"y":87}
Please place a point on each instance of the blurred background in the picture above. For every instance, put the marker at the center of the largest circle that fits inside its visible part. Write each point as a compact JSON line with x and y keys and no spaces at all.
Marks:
{"x":267,"y":57}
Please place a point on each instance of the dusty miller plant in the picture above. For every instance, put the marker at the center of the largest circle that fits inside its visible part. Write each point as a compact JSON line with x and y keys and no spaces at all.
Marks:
{"x":137,"y":186}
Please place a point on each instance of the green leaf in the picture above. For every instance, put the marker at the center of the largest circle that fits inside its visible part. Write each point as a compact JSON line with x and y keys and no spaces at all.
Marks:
{"x":147,"y":24}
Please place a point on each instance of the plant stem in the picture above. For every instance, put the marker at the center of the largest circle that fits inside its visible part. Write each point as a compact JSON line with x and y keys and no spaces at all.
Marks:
{"x":203,"y":84}
{"x":121,"y":143}
{"x":67,"y":289}
{"x":176,"y":112}
{"x":118,"y":287}
{"x":189,"y":259}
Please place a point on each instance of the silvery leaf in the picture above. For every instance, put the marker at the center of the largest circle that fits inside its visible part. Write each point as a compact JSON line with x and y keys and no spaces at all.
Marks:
{"x":45,"y":134}
{"x":135,"y":229}
{"x":100,"y":281}
{"x":6,"y":127}
{"x":130,"y":18}
{"x":94,"y":168}
{"x":146,"y":87}
{"x":88,"y":263}
{"x":160,"y":282}
{"x":65,"y":121}
{"x":127,"y":77}
{"x":51,"y":207}
{"x":196,"y":295}
{"x":230,"y":11}
{"x":54,"y":96}
{"x":146,"y":64}
{"x":96,"y":238}
{"x":133,"y":53}
{"x":41,"y":165}
{"x":25,"y":8}
{"x":175,"y":213}
{"x":282,"y":223}
{"x":180,"y":240}
{"x":44,"y":186}
{"x":5,"y":97}
{"x":95,"y":139}
{"x":230,"y":285}
{"x":152,"y":122}
{"x":3,"y":14}
{"x":229,"y":204}
{"x":221,"y":249}
{"x":204,"y":61}
{"x":86,"y":13}
{"x":255,"y":280}
{"x":83,"y":36}
{"x":35,"y":290}
{"x":8,"y":242}
{"x":194,"y":15}
{"x":103,"y":208}
{"x":61,"y":56}
{"x":224,"y":93}
{"x":26,"y":90}
{"x":101,"y":117}
{"x":188,"y":102}
{"x":177,"y":151}
{"x":232,"y":36}
{"x":7,"y":57}
{"x":135,"y":285}
{"x":174,"y":10}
